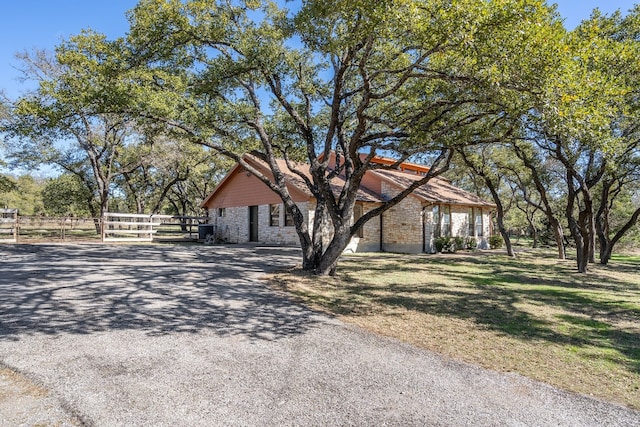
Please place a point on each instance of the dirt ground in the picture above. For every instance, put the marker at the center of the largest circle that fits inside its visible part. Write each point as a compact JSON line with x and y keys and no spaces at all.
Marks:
{"x":25,"y":403}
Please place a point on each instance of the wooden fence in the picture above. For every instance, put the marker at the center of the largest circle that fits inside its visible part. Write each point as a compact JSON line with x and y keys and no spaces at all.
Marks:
{"x":9,"y":225}
{"x":112,"y":227}
{"x":46,"y":229}
{"x":122,"y":227}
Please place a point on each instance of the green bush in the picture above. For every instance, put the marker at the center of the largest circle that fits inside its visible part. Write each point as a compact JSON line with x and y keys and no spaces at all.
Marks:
{"x":495,"y":241}
{"x":441,"y":244}
{"x":471,"y":243}
{"x":458,"y":243}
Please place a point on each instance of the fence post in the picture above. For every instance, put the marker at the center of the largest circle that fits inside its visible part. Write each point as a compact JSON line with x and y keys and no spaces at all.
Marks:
{"x":9,"y":217}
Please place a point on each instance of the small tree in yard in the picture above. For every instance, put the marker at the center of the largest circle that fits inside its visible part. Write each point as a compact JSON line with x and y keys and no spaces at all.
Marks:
{"x":408,"y":79}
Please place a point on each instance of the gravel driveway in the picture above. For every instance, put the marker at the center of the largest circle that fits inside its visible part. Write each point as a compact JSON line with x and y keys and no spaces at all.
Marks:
{"x":188,"y":335}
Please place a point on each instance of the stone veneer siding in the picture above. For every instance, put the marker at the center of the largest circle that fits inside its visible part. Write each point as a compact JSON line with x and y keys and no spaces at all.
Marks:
{"x":402,"y":224}
{"x":459,"y":225}
{"x":280,"y":234}
{"x":233,"y":227}
{"x":370,"y":240}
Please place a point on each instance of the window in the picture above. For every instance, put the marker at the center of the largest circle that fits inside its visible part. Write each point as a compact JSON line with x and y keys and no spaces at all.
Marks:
{"x":478,"y":222}
{"x":288,"y":218}
{"x":471,"y":221}
{"x":221,"y":212}
{"x":436,"y":221}
{"x":274,"y":215}
{"x":357,"y":214}
{"x":446,"y":221}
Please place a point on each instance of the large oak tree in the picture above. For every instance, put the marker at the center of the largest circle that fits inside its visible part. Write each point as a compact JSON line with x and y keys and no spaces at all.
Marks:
{"x":408,"y":79}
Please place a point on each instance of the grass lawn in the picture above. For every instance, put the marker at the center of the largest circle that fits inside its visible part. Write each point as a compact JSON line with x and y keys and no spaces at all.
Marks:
{"x":533,"y":315}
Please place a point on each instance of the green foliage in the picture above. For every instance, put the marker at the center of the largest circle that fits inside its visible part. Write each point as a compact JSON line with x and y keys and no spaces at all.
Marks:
{"x":454,"y":244}
{"x":470,"y":243}
{"x":449,"y":244}
{"x":24,"y":195}
{"x":168,"y":176}
{"x":441,"y":244}
{"x":458,"y":243}
{"x":495,"y":241}
{"x":410,"y":78}
{"x":66,"y":195}
{"x":6,"y":184}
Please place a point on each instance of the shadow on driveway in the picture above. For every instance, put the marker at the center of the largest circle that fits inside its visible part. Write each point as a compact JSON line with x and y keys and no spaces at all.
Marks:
{"x":83,"y":289}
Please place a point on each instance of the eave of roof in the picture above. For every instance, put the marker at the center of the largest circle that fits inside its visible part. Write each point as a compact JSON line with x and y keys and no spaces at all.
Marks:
{"x":437,"y":190}
{"x":221,"y":184}
{"x":292,"y":179}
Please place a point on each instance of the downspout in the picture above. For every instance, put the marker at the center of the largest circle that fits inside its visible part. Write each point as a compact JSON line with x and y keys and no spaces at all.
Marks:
{"x":381,"y":234}
{"x":491,"y":214}
{"x":424,"y":236}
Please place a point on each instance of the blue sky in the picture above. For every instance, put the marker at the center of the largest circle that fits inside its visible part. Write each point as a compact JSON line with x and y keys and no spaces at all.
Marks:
{"x":28,"y":24}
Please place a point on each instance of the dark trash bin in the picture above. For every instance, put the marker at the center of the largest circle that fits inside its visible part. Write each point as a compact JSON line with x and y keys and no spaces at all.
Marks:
{"x":204,"y":230}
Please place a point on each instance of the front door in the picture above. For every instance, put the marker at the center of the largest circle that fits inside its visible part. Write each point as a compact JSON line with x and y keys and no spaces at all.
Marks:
{"x":253,"y":223}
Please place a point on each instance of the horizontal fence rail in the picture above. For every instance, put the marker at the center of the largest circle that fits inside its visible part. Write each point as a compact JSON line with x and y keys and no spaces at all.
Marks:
{"x":123,"y":227}
{"x":8,"y":225}
{"x":112,"y":227}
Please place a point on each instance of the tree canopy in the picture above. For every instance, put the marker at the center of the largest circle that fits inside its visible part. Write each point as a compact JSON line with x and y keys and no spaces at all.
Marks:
{"x":547,"y":117}
{"x":410,"y":79}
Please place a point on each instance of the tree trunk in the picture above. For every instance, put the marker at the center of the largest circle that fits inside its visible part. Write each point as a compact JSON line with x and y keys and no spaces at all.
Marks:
{"x":592,"y":246}
{"x":582,"y":246}
{"x":605,"y":252}
{"x":587,"y":226}
{"x":97,"y":223}
{"x":504,"y":233}
{"x":558,"y":236}
{"x":500,"y":215}
{"x":542,"y":190}
{"x":534,"y":230}
{"x":606,"y":244}
{"x":582,"y":259}
{"x":534,"y":235}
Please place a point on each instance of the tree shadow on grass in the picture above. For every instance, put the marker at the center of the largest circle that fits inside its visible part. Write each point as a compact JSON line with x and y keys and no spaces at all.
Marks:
{"x":493,"y":300}
{"x":85,"y":289}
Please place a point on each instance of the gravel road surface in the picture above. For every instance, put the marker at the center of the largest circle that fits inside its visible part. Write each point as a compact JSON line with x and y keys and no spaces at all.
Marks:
{"x":188,"y":335}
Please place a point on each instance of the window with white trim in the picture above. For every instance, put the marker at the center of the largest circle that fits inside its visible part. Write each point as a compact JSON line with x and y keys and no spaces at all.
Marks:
{"x":446,"y":221}
{"x":436,"y":221}
{"x":478,"y":222}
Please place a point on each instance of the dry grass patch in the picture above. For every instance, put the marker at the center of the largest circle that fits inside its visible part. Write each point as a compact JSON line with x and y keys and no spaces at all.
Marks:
{"x":533,"y":315}
{"x":13,"y":382}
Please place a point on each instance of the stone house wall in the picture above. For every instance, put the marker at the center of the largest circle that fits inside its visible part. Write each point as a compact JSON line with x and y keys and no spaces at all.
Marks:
{"x":459,"y":226}
{"x":278,"y":234}
{"x":402,"y":224}
{"x":370,"y":240}
{"x":233,"y":225}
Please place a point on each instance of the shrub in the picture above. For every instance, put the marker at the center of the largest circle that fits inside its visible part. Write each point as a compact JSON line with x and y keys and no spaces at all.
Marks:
{"x":495,"y":241}
{"x":441,"y":244}
{"x":471,"y":243}
{"x":458,"y":243}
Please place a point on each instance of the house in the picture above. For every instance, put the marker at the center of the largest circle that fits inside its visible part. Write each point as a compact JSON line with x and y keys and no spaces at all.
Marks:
{"x":243,"y":209}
